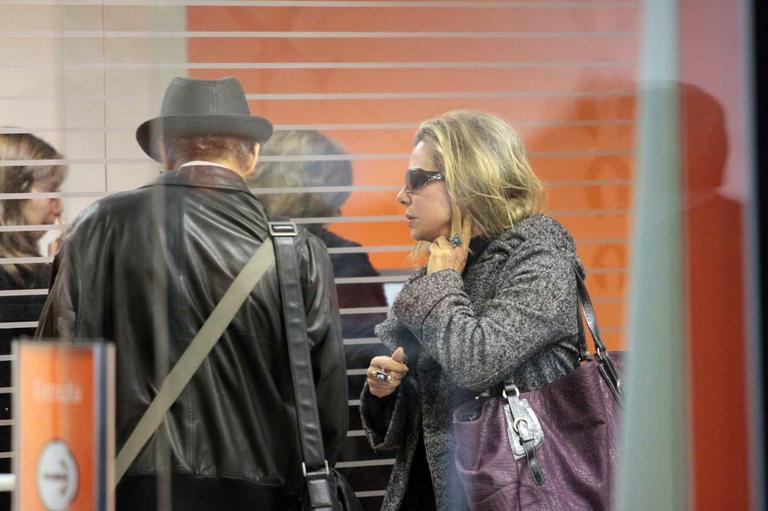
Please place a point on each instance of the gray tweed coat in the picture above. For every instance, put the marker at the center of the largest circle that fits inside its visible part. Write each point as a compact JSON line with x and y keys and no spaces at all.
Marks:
{"x":514,"y":312}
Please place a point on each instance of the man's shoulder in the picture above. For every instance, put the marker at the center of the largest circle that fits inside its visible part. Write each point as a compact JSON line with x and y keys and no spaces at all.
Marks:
{"x":310,"y":248}
{"x":111,"y":207}
{"x":305,"y":237}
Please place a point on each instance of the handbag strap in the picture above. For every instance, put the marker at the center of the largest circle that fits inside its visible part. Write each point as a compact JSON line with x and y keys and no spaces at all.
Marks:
{"x":605,"y":364}
{"x":194,"y":355}
{"x":522,"y":416}
{"x":315,"y":466}
{"x":589,"y":314}
{"x":582,"y":342}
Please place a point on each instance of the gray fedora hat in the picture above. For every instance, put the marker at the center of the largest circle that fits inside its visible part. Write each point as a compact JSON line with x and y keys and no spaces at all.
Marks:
{"x":202,"y":107}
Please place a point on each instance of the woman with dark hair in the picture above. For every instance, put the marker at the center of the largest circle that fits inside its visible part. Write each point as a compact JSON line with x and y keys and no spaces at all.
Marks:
{"x":16,"y":274}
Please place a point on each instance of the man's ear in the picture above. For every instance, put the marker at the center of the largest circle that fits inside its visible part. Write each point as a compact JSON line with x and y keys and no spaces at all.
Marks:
{"x":254,"y":159}
{"x":167,"y":165}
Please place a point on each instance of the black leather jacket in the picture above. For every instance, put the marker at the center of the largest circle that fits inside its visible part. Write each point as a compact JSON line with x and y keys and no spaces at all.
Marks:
{"x":145,"y":268}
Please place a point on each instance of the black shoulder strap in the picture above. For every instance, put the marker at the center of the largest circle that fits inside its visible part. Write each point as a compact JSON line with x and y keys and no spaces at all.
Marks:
{"x":315,"y":467}
{"x":605,"y":364}
{"x":582,"y":342}
{"x":589,"y":313}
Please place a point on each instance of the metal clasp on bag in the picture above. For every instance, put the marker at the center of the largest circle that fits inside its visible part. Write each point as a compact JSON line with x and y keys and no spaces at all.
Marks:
{"x":320,"y":488}
{"x":523,"y":430}
{"x":282,"y":228}
{"x":519,"y":413}
{"x":510,"y":388}
{"x":320,"y":472}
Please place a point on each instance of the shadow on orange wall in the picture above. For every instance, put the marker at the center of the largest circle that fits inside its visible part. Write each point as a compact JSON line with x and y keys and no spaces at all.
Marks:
{"x":717,"y":342}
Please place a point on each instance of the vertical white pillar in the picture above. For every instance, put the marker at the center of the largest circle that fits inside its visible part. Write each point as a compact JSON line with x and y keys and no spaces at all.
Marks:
{"x":653,"y":471}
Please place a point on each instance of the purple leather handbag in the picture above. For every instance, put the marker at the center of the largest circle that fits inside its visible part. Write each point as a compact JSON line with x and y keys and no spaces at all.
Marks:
{"x":551,"y":449}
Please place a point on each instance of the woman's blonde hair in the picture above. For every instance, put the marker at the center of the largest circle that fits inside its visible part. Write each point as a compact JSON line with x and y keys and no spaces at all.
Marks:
{"x":487,"y":173}
{"x":20,"y":179}
{"x":485,"y":166}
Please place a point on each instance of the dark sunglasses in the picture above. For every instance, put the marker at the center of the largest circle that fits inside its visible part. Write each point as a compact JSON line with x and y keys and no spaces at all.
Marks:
{"x":416,"y":179}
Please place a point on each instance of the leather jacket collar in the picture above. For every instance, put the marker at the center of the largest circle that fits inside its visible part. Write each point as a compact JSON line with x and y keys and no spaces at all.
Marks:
{"x":202,"y":176}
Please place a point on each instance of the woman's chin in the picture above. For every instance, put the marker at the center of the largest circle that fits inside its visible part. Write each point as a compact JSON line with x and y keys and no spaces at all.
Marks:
{"x":420,"y":235}
{"x":417,"y":235}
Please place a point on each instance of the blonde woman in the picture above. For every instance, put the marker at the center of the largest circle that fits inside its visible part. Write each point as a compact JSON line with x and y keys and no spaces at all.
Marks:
{"x":496,"y":298}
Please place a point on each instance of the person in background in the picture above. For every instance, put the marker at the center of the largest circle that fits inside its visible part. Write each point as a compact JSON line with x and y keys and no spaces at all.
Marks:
{"x":317,"y":204}
{"x":17,"y":276}
{"x":496,"y":297}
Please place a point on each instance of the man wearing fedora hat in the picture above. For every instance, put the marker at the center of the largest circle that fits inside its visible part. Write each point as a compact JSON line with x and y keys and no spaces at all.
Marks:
{"x":146,"y":268}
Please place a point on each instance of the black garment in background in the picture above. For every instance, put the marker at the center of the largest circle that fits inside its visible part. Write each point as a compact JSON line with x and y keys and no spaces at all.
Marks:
{"x":420,"y":494}
{"x":15,"y":309}
{"x":20,"y":308}
{"x":354,"y":295}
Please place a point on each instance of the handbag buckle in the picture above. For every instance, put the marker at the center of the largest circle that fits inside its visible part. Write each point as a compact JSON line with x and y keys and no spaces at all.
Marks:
{"x":510,"y":389}
{"x":524,"y":431}
{"x":320,"y":472}
{"x":282,"y":228}
{"x":523,"y":425}
{"x":320,"y":488}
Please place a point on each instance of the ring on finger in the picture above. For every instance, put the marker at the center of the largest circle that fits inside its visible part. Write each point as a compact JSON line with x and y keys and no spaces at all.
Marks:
{"x":382,"y":376}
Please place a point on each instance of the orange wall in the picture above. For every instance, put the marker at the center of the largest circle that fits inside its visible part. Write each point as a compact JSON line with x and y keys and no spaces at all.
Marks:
{"x":571,"y":95}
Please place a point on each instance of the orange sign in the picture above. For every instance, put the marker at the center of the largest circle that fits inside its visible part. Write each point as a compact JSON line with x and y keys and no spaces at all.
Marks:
{"x":64,"y":432}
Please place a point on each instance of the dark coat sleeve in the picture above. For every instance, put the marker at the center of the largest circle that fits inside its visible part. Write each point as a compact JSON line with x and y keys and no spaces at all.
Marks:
{"x":59,"y":314}
{"x":387,"y":421}
{"x":478,"y":346}
{"x":78,"y":300}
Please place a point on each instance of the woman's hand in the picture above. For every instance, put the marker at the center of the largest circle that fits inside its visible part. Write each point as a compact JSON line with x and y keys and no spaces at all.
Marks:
{"x":385,"y":373}
{"x":443,"y":256}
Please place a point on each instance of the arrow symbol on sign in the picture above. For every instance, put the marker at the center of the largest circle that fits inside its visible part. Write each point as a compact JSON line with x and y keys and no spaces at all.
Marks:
{"x":62,"y":476}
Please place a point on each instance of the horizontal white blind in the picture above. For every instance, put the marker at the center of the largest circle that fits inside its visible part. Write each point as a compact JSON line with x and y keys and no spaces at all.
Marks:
{"x":83,"y":74}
